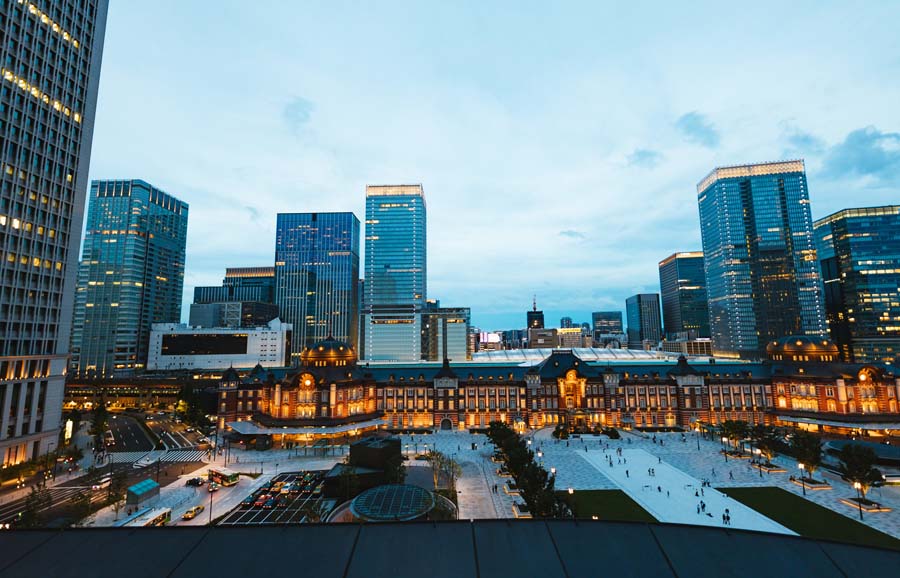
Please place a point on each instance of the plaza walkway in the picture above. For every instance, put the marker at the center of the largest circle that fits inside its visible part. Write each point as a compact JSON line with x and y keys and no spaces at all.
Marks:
{"x":673,"y":496}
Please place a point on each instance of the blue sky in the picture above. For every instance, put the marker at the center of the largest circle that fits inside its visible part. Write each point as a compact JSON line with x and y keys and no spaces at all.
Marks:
{"x":559,"y":145}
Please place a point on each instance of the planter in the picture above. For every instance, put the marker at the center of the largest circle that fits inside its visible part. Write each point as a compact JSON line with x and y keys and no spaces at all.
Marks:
{"x":812,"y":484}
{"x":867,"y":506}
{"x":504,"y":473}
{"x":511,"y":489}
{"x":770,"y":469}
{"x":520,"y":510}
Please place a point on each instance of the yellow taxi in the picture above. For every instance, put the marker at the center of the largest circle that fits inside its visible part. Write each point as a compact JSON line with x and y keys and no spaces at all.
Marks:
{"x":192,"y":513}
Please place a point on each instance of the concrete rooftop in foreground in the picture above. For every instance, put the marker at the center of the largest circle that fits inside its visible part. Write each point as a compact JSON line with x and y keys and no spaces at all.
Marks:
{"x":489,"y":548}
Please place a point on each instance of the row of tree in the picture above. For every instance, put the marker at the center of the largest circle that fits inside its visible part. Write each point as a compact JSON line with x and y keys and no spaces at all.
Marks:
{"x":857,"y":462}
{"x":535,"y":485}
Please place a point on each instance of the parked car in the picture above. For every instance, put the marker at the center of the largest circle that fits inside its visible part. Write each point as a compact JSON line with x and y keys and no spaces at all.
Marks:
{"x":192,"y":513}
{"x":270,"y":503}
{"x":261,"y":500}
{"x":196,"y":482}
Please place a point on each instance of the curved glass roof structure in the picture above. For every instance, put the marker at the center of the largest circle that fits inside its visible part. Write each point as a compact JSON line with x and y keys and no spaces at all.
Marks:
{"x":587,"y":354}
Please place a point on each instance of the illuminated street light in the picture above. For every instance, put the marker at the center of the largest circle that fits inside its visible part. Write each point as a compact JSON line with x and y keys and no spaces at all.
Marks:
{"x":802,"y":483}
{"x":858,"y":487}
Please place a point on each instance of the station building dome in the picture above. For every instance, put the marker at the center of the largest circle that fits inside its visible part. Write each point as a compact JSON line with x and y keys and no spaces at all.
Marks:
{"x":328,"y":353}
{"x":802,"y":348}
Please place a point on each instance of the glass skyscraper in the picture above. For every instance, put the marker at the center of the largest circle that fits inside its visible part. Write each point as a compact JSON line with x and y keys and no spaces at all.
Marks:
{"x":131,"y":276}
{"x":317,"y":277}
{"x":859,"y":251}
{"x":644,"y":323}
{"x":682,"y":283}
{"x":762,"y":274}
{"x":50,"y":58}
{"x":396,"y":270}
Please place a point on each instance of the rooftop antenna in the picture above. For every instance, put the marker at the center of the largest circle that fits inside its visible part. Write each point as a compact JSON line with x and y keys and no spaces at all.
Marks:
{"x":534,"y":303}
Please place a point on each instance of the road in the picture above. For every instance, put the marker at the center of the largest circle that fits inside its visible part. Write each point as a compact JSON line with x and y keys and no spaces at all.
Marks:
{"x":59,"y":494}
{"x":173,"y":435}
{"x":129,"y":435}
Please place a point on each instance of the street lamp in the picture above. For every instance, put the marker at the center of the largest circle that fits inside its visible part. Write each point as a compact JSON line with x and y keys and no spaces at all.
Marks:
{"x":725,"y":449}
{"x":552,"y":471}
{"x":572,"y":493}
{"x":758,"y":453}
{"x":802,"y":483}
{"x":858,"y":487}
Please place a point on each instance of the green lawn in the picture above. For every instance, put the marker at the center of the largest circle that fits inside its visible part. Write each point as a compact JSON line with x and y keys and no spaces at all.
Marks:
{"x":809,"y":519}
{"x":607,"y":505}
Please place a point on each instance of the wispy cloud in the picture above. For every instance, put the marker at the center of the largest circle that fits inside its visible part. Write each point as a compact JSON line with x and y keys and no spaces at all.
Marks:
{"x":644,"y":158}
{"x":696,"y":128}
{"x":866,"y":152}
{"x":297,"y":113}
{"x":573,"y":234}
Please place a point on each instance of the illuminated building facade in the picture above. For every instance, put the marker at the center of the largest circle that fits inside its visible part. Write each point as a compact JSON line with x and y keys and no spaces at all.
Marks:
{"x":51,"y":53}
{"x":131,"y":276}
{"x":762,"y":274}
{"x":395,"y":272}
{"x":859,"y":251}
{"x":800,"y":384}
{"x":317,"y":276}
{"x":682,"y":283}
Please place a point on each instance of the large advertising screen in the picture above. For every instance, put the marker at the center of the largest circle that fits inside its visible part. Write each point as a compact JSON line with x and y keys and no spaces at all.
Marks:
{"x":200,"y":344}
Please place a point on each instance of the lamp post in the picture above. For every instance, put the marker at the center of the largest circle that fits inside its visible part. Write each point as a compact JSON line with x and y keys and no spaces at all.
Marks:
{"x":858,"y":487}
{"x":572,"y":493}
{"x":725,"y":449}
{"x":552,"y":471}
{"x":802,"y":482}
{"x":758,"y":453}
{"x":697,"y":436}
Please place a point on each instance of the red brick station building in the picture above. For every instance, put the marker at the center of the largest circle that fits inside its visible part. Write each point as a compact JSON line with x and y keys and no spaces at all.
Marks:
{"x":332,"y":395}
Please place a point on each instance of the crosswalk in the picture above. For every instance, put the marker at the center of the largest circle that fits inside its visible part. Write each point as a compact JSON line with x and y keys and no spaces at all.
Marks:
{"x":185,"y":456}
{"x":126,"y":457}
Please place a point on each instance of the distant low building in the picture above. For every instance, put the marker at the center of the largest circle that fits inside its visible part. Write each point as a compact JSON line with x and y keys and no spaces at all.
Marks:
{"x":175,"y":346}
{"x":539,"y":338}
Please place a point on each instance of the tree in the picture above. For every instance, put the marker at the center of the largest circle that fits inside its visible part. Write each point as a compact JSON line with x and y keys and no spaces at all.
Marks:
{"x":735,"y":430}
{"x":452,"y":471}
{"x":38,"y":500}
{"x":100,"y":423}
{"x":394,"y":470}
{"x":765,"y":438}
{"x":858,"y":466}
{"x":82,"y":504}
{"x":189,"y":405}
{"x":438,"y":463}
{"x":116,"y":491}
{"x":807,"y":448}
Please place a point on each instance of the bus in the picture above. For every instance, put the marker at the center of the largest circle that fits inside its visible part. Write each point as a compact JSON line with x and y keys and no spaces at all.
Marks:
{"x":150,"y":518}
{"x":223,"y":476}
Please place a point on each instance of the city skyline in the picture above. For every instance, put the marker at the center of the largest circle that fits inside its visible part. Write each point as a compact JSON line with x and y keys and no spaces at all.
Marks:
{"x":492,"y":139}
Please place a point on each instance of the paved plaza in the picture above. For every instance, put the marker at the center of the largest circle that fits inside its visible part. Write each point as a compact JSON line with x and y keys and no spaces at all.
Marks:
{"x":671,"y":495}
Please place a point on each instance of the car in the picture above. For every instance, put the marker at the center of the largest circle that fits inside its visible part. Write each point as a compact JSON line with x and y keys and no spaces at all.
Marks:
{"x":261,"y":500}
{"x":248,"y":501}
{"x":213,"y":487}
{"x":190,"y":429}
{"x":318,"y":490}
{"x":149,"y":417}
{"x":196,"y":482}
{"x":282,"y":502}
{"x":192,"y":513}
{"x":269,"y":504}
{"x":203,"y":440}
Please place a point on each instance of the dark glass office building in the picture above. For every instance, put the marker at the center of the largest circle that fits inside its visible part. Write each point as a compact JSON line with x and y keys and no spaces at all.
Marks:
{"x":535,"y":317}
{"x":762,"y":274}
{"x":607,"y":323}
{"x":396,"y":269}
{"x":50,"y":57}
{"x":682,"y":283}
{"x":644,"y":323}
{"x":240,"y":284}
{"x":859,"y":251}
{"x":317,"y":276}
{"x":131,"y":276}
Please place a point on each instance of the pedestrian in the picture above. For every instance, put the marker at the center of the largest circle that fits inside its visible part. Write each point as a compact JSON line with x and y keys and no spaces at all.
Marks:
{"x":701,"y":492}
{"x":696,"y":495}
{"x":698,"y":509}
{"x":659,"y":489}
{"x":624,"y":460}
{"x":667,"y":493}
{"x":585,"y":449}
{"x":723,"y":519}
{"x":660,"y":459}
{"x":626,"y":474}
{"x":714,"y":472}
{"x":702,"y":505}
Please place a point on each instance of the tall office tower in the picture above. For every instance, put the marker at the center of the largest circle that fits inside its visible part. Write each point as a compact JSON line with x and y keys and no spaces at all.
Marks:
{"x":683,"y":290}
{"x":240,"y":284}
{"x":445,"y":333}
{"x":762,"y":274}
{"x":131,"y":276}
{"x":317,"y":277}
{"x":644,"y":324}
{"x":396,"y":268}
{"x":535,"y":318}
{"x":50,"y":54}
{"x":859,"y":251}
{"x":607,"y":323}
{"x":565,"y":323}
